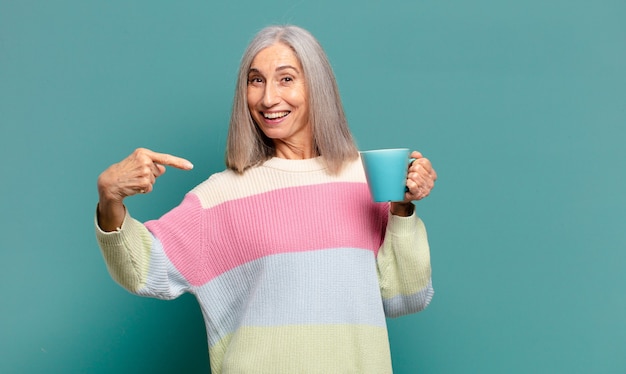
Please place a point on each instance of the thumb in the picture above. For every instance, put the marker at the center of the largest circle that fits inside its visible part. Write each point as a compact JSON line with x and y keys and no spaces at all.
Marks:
{"x":416,"y":154}
{"x":160,"y":169}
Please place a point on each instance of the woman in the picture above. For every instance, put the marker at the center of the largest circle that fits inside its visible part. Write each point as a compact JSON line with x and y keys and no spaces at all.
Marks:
{"x":293,"y":265}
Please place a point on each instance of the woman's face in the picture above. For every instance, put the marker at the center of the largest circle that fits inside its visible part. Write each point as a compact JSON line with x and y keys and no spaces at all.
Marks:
{"x":277,"y":97}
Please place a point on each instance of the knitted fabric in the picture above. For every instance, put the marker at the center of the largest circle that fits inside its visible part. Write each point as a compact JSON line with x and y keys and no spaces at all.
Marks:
{"x":294,"y":269}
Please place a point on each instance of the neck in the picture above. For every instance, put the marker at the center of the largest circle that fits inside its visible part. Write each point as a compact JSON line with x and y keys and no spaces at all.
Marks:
{"x":293,"y":152}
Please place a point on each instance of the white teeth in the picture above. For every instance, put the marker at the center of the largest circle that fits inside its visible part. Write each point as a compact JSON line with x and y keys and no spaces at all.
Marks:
{"x":275,"y":115}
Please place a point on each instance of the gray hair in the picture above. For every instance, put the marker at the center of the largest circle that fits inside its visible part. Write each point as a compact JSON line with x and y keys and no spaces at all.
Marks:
{"x":248,"y":146}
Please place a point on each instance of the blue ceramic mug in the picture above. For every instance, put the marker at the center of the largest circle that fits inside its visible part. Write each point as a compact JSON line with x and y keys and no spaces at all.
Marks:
{"x":386,"y":172}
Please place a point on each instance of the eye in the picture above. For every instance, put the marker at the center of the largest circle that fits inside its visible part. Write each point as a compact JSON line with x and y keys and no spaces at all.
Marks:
{"x":287,"y":80}
{"x":255,"y":81}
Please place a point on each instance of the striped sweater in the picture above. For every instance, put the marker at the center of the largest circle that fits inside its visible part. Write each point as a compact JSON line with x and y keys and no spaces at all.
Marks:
{"x":294,"y":269}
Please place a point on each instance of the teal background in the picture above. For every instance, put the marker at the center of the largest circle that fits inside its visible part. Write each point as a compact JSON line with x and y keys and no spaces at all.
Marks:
{"x":520,"y":105}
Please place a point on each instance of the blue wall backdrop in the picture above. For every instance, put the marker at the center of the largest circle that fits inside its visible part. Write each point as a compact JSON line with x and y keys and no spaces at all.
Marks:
{"x":521,"y":106}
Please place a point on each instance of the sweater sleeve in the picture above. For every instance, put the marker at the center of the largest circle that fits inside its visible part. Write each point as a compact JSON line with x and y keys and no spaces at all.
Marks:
{"x":404,"y":269}
{"x":137,"y":260}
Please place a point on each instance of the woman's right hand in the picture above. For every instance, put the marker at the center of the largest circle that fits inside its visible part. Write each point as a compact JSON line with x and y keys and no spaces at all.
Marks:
{"x":135,"y":174}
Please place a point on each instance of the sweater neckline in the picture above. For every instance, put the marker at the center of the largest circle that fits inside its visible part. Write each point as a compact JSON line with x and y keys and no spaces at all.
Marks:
{"x":309,"y":164}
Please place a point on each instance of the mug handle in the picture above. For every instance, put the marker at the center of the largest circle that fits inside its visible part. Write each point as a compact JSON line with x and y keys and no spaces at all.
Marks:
{"x":411,"y":160}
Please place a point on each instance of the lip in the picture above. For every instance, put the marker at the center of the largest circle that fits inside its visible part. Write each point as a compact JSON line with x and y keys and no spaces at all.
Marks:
{"x":277,"y":120}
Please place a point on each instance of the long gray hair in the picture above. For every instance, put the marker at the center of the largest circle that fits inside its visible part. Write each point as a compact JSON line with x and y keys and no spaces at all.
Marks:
{"x":247,"y":145}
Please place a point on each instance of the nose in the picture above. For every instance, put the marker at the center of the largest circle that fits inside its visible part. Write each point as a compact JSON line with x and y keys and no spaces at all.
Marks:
{"x":271,"y":95}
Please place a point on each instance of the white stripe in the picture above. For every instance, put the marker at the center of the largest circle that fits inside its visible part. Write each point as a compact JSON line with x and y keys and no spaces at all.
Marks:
{"x":227,"y":185}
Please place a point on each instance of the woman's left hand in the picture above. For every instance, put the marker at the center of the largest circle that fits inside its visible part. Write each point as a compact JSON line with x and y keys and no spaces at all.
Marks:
{"x":420,"y":179}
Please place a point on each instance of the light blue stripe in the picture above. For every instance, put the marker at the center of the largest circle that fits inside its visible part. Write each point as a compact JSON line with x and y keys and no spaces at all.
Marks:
{"x":164,"y":281}
{"x":338,"y":286}
{"x":405,"y":304}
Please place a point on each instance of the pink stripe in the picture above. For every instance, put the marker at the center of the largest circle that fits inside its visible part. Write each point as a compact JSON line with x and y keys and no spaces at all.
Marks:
{"x":334,"y":215}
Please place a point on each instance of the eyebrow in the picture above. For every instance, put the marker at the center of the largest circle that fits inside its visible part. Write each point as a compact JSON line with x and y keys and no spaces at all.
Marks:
{"x":280,"y":68}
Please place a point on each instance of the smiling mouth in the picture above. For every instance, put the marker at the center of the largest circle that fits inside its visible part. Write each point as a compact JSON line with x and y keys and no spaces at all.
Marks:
{"x":275,"y":115}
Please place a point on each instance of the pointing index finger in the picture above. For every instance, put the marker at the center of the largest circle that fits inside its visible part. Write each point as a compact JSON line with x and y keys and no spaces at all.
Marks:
{"x":169,"y":160}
